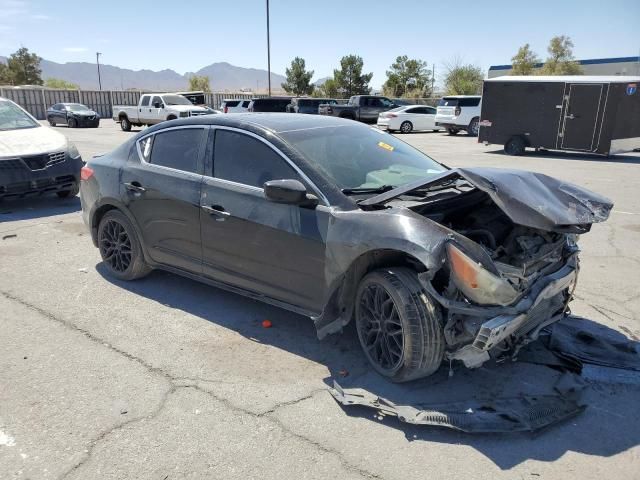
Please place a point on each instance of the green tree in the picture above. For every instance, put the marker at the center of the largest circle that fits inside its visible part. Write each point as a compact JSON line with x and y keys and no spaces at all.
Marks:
{"x":463,"y":79}
{"x":560,"y":60}
{"x":524,"y":62}
{"x":349,"y":79}
{"x":61,"y":84}
{"x":328,"y":89}
{"x":5,"y":75}
{"x":298,"y":78}
{"x":199,"y":83}
{"x":408,"y":77}
{"x":24,"y":68}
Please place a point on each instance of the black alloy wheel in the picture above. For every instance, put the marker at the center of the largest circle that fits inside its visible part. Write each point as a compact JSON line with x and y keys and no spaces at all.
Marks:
{"x":72,"y":123}
{"x":381,"y":327}
{"x":399,"y":326}
{"x":120,"y":248}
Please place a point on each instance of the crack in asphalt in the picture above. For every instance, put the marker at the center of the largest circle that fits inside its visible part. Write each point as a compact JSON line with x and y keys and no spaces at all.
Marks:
{"x":178,"y":383}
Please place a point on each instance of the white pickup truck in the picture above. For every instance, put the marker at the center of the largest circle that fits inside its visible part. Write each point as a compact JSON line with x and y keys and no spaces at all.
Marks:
{"x":155,"y":108}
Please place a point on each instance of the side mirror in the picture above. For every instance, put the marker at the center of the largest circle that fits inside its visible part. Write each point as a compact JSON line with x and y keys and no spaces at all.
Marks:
{"x":292,"y":192}
{"x":158,"y":105}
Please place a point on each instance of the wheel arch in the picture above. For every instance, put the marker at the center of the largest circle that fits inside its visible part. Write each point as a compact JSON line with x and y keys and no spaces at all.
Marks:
{"x":123,"y":116}
{"x":106,"y":206}
{"x":338,"y":311}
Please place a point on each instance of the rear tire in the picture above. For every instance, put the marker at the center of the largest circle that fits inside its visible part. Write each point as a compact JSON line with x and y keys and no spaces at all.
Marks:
{"x":452,"y":131}
{"x":474,"y":127}
{"x":515,"y":146}
{"x":69,"y":193}
{"x":125,"y":124}
{"x":120,"y":248}
{"x":395,"y":315}
{"x":51,"y":121}
{"x":406,"y":127}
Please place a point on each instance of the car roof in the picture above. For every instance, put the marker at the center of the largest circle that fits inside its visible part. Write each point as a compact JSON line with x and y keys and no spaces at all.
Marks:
{"x":462,"y":96}
{"x":274,"y":122}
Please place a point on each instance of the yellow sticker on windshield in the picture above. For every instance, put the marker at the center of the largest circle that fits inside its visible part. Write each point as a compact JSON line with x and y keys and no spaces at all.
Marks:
{"x":386,"y":146}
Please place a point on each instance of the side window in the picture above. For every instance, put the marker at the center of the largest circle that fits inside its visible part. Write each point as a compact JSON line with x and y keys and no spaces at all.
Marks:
{"x":243,"y":159}
{"x":430,"y":110}
{"x":177,"y":149}
{"x":145,"y":147}
{"x":155,"y":100}
{"x":145,"y":101}
{"x":386,"y":103}
{"x":414,"y":110}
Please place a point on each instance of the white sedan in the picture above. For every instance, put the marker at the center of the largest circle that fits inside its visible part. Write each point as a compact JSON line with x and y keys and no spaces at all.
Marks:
{"x":409,"y":118}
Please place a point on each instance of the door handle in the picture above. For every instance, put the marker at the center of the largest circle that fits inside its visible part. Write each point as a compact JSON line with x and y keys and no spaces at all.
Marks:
{"x":135,"y":187}
{"x":216,"y":211}
{"x":571,"y":116}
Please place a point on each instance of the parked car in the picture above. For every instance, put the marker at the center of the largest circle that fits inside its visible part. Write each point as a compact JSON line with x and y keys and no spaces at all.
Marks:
{"x":561,"y":113}
{"x":72,"y":115}
{"x":460,"y":112}
{"x":336,"y":220}
{"x":34,"y":159}
{"x":364,"y":108}
{"x":155,"y":108}
{"x":409,"y":118}
{"x":269,"y":104}
{"x":196,"y":98}
{"x":235,"y":106}
{"x":309,"y":105}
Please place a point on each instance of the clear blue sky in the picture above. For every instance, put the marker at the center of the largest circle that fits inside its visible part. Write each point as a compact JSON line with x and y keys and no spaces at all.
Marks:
{"x":185,"y":36}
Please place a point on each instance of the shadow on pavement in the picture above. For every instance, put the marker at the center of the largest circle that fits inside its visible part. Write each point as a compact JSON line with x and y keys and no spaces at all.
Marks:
{"x":37,"y":207}
{"x":582,"y":157}
{"x":610,"y":424}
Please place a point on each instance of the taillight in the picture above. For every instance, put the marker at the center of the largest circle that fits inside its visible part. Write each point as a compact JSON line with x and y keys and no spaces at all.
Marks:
{"x":457,"y":111}
{"x":226,"y":109}
{"x":391,"y":115}
{"x":86,"y":173}
{"x":329,"y":110}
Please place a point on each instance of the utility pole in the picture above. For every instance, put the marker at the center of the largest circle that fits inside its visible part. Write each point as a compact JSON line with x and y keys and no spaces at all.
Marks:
{"x":268,"y":51}
{"x":98,"y":64}
{"x":433,"y":80}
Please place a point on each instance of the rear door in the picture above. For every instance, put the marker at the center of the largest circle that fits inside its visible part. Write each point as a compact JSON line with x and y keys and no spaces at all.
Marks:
{"x":161,"y":188}
{"x":581,"y":116}
{"x":272,"y":249}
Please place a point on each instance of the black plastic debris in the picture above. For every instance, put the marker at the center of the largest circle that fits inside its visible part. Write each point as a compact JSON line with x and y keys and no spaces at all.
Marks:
{"x":594,"y":343}
{"x":522,"y":414}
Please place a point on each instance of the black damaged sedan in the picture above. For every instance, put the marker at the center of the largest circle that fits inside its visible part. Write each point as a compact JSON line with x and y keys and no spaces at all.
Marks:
{"x":73,"y":115}
{"x":339,"y":221}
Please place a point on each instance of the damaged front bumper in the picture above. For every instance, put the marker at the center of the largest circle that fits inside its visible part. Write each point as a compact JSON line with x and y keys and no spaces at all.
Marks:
{"x":515,"y":325}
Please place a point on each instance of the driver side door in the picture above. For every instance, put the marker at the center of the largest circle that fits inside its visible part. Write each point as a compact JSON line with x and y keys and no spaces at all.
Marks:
{"x":272,"y":249}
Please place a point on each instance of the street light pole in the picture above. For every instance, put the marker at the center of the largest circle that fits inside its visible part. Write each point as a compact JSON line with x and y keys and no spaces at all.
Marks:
{"x":268,"y":51}
{"x":98,"y":64}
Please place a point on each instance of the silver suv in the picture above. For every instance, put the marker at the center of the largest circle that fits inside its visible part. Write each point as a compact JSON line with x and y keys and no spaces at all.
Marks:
{"x":459,"y":112}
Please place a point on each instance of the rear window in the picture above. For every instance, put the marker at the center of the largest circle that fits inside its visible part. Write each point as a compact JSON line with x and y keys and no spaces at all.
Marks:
{"x":448,"y":102}
{"x":232,"y":103}
{"x":469,"y":102}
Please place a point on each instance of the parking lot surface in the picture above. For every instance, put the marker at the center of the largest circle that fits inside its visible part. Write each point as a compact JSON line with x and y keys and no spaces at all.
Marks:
{"x":166,"y":378}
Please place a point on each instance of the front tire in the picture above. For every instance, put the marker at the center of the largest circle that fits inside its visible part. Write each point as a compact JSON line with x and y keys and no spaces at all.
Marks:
{"x":72,"y":123}
{"x":452,"y":131}
{"x":120,"y":248}
{"x":125,"y":124}
{"x":406,"y":127}
{"x":399,"y":326}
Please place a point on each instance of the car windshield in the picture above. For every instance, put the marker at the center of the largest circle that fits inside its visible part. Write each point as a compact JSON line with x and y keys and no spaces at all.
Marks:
{"x":13,"y":117}
{"x":175,"y":100}
{"x":76,"y":107}
{"x":362,"y":157}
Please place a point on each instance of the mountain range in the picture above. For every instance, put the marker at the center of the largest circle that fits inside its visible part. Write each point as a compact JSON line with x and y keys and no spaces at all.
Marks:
{"x":222,"y":77}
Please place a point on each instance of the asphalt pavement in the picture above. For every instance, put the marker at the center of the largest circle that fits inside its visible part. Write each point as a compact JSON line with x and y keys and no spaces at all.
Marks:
{"x":166,"y":378}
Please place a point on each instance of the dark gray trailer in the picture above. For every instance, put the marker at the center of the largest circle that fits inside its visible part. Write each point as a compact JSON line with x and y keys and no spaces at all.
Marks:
{"x":596,"y":114}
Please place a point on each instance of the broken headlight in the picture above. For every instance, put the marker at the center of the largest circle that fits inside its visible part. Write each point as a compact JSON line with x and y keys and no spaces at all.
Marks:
{"x":476,"y":282}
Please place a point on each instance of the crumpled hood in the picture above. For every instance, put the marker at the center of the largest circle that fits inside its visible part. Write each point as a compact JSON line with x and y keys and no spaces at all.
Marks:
{"x":530,"y":199}
{"x":31,"y":141}
{"x":538,"y":201}
{"x":84,"y":113}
